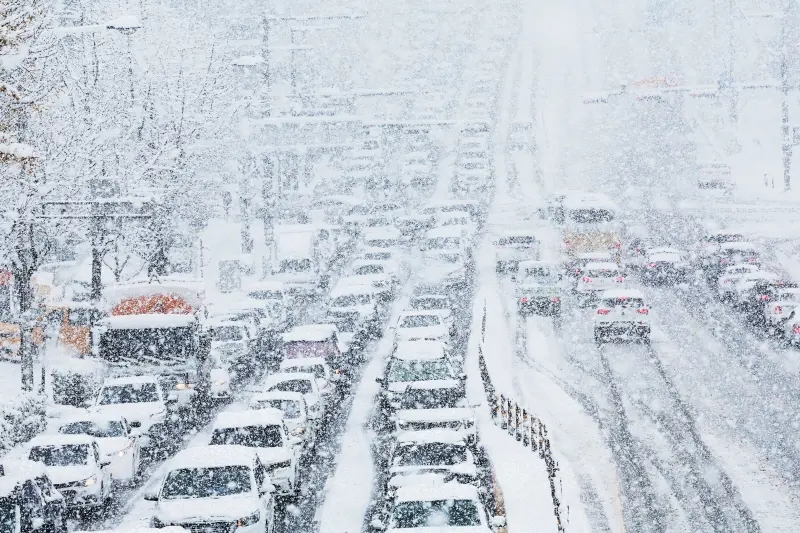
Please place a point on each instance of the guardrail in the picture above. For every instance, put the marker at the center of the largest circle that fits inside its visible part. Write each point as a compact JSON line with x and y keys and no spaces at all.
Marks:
{"x":521,"y":424}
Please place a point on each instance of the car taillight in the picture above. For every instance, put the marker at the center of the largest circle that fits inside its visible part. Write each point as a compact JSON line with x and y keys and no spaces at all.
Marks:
{"x":751,"y":260}
{"x":796,"y":329}
{"x":723,"y":261}
{"x":778,"y":310}
{"x":642,"y":311}
{"x":523,"y":300}
{"x":763,"y":297}
{"x":619,"y":278}
{"x":586,"y":279}
{"x":651,"y":265}
{"x":554,"y":300}
{"x":577,"y":270}
{"x":603,"y":311}
{"x":725,"y":280}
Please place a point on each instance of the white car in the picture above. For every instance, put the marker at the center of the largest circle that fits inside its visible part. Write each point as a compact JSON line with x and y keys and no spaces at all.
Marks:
{"x":443,"y":241}
{"x":710,"y":244}
{"x":295,"y":413}
{"x":462,"y":221}
{"x":435,"y":302}
{"x":231,"y":339}
{"x":76,"y":467}
{"x":596,"y":278}
{"x":387,"y":238}
{"x":439,"y":507}
{"x":442,"y":451}
{"x":514,"y":246}
{"x":374,"y":273}
{"x":305,"y":384}
{"x":461,"y":419}
{"x":264,"y":430}
{"x":622,"y":314}
{"x":119,"y":443}
{"x":474,"y":173}
{"x":392,"y":261}
{"x":743,"y":284}
{"x":729,"y":275}
{"x":425,"y":364}
{"x":326,"y":380}
{"x":780,"y":304}
{"x":139,"y":399}
{"x":227,"y":486}
{"x":422,"y":325}
{"x":274,"y":295}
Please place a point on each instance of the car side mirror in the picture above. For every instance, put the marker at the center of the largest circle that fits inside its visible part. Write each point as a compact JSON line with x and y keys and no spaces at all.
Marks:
{"x":498,"y":521}
{"x":151,"y":496}
{"x":267,"y":488}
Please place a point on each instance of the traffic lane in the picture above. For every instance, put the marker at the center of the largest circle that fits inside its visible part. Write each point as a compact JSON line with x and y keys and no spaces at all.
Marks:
{"x":737,"y":376}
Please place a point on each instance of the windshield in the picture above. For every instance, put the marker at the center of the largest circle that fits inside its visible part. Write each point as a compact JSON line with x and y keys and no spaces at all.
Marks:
{"x":420,"y":321}
{"x":591,"y":216}
{"x":429,"y":304}
{"x":294,"y":265}
{"x":214,"y":482}
{"x":602,"y":273}
{"x":525,"y":240}
{"x":431,"y":454}
{"x":442,"y":243}
{"x":633,"y":303}
{"x":265,"y":295}
{"x":351,"y":300}
{"x":226,"y":333}
{"x":291,"y":409}
{"x":253,"y":436}
{"x":130,"y":393}
{"x":99,"y":429}
{"x":437,"y":513}
{"x":723,"y":238}
{"x":67,"y":455}
{"x":401,"y":371}
{"x":366,"y":270}
{"x":445,"y":398}
{"x":297,"y":349}
{"x":378,"y":256}
{"x":381,"y":243}
{"x":302,"y":386}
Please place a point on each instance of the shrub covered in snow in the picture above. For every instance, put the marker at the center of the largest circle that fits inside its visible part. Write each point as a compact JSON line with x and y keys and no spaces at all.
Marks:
{"x":20,"y":420}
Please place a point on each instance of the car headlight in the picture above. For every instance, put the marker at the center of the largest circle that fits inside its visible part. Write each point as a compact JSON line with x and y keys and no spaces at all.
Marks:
{"x":124,"y":450}
{"x":299,"y":431}
{"x":249,"y":520}
{"x":88,"y":482}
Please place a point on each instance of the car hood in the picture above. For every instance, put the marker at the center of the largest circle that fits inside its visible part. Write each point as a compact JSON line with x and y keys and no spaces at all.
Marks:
{"x":400,"y":386}
{"x":111,"y":445}
{"x":466,"y":468}
{"x":362,"y":310}
{"x":443,"y":529}
{"x":69,"y":474}
{"x":205,"y":509}
{"x":413,"y":333}
{"x":270,"y":456}
{"x":131,"y":411}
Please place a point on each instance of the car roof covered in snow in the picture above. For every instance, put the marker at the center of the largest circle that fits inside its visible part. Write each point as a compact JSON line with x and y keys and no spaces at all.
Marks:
{"x":353,"y":285}
{"x":85,"y":415}
{"x":455,"y":215}
{"x":665,"y":256}
{"x":267,"y":285}
{"x":436,"y":491}
{"x":435,"y":415}
{"x":536,"y":263}
{"x":601,"y":266}
{"x":302,"y":361}
{"x":16,"y":471}
{"x":621,"y":294}
{"x":130,"y":380}
{"x":442,"y":435}
{"x":213,"y":456}
{"x":417,"y":312}
{"x":277,"y":395}
{"x":59,"y":439}
{"x":148,"y":321}
{"x":251,"y":417}
{"x":280,"y":377}
{"x":310,"y":333}
{"x":367,"y":262}
{"x":419,"y":350}
{"x":447,"y":231}
{"x":383,"y":232}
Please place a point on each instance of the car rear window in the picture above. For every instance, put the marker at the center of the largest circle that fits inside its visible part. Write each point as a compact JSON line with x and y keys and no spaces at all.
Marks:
{"x":602,"y":273}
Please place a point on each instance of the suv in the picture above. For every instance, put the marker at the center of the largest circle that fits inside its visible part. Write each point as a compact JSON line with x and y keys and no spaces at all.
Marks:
{"x":140,"y":400}
{"x":622,"y":314}
{"x":28,"y":500}
{"x":215,"y":488}
{"x":539,"y":288}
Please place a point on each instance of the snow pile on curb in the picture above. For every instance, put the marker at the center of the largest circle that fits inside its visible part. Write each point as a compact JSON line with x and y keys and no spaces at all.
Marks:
{"x":21,"y":418}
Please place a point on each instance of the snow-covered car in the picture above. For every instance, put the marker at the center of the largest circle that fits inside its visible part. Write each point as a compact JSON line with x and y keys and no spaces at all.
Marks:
{"x":476,"y":209}
{"x":375,"y":273}
{"x":435,"y":302}
{"x":393,"y":262}
{"x":741,"y":286}
{"x":432,"y":451}
{"x":665,"y":266}
{"x":231,"y":340}
{"x":138,"y":399}
{"x":439,"y":241}
{"x":355,"y":295}
{"x":295,"y":413}
{"x":778,"y":303}
{"x":473,"y":174}
{"x":76,"y":467}
{"x":225,"y":486}
{"x":622,"y":314}
{"x":356,"y":217}
{"x":314,"y":340}
{"x":461,"y":419}
{"x":539,"y":288}
{"x":417,"y":169}
{"x":29,"y":502}
{"x":733,"y":253}
{"x":711,"y":242}
{"x":575,"y":266}
{"x":512,"y":247}
{"x":326,"y":379}
{"x":422,"y":325}
{"x":441,"y":507}
{"x":119,"y":443}
{"x":462,"y":221}
{"x":390,"y":209}
{"x":596,"y":278}
{"x":264,"y":430}
{"x":728,"y":277}
{"x":385,"y":237}
{"x":414,"y":226}
{"x":422,"y":363}
{"x":275,"y":297}
{"x":305,"y":384}
{"x":332,"y":208}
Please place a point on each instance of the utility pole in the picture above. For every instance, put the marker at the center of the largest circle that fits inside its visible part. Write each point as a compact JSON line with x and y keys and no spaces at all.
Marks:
{"x":786,"y":135}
